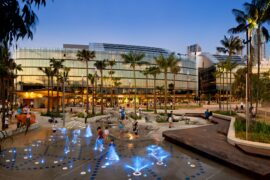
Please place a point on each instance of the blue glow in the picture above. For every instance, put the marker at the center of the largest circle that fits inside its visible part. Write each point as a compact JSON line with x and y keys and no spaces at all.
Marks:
{"x":66,"y":148}
{"x":138,"y":164}
{"x":88,"y":132}
{"x":42,"y":161}
{"x":74,"y":138}
{"x":99,"y":145}
{"x":112,"y":154}
{"x":63,"y":130}
{"x":158,"y":153}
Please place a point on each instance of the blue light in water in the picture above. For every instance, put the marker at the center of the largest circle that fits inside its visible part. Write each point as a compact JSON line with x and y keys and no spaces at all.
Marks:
{"x":99,"y":145}
{"x":66,"y":148}
{"x":74,"y":138}
{"x":138,"y":165}
{"x":89,"y":168}
{"x":159,"y":154}
{"x":88,"y":132}
{"x":42,"y":161}
{"x":112,"y":154}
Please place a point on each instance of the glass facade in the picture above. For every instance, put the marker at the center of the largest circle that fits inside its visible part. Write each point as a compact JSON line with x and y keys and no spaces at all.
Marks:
{"x":31,"y":59}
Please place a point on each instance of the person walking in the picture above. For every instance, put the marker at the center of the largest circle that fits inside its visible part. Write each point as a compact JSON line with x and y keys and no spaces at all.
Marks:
{"x":136,"y":127}
{"x":170,"y":119}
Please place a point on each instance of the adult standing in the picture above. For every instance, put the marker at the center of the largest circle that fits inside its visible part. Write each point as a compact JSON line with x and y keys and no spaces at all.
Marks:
{"x":170,"y":119}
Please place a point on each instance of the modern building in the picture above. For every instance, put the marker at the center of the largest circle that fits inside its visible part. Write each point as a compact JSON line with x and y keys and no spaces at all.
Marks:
{"x":209,"y":83}
{"x":31,"y":83}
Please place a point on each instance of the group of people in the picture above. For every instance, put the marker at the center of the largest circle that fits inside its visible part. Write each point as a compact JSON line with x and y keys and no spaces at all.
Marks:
{"x":103,"y":137}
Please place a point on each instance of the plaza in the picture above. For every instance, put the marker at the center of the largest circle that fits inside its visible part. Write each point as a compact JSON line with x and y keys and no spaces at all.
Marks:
{"x":135,"y":90}
{"x":43,"y":156}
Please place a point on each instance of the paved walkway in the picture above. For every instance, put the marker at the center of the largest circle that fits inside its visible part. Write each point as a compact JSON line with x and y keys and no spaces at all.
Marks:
{"x":211,"y":141}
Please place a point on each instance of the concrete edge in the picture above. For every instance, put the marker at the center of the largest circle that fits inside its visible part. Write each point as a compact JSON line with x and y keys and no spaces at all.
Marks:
{"x":20,"y":130}
{"x":231,"y":138}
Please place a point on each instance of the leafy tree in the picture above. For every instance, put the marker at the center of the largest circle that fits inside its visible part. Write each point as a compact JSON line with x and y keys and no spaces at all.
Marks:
{"x":134,"y":59}
{"x":175,"y":70}
{"x":154,"y":71}
{"x":92,"y":78}
{"x":7,"y":76}
{"x":57,"y":65}
{"x":101,"y":65}
{"x":18,"y":19}
{"x":86,"y":56}
{"x":111,"y":63}
{"x":166,"y":63}
{"x":230,"y":45}
{"x":146,"y":73}
{"x":48,"y":71}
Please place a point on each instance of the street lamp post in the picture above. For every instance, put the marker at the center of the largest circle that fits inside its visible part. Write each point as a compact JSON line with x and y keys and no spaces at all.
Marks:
{"x":82,"y":91}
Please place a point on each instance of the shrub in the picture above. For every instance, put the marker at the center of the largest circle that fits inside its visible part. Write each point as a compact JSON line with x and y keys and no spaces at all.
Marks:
{"x":161,"y":119}
{"x":226,"y":113}
{"x":51,"y":114}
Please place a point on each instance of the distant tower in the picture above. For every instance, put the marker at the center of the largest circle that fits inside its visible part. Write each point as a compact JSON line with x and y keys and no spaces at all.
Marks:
{"x":255,"y":46}
{"x":194,"y":49}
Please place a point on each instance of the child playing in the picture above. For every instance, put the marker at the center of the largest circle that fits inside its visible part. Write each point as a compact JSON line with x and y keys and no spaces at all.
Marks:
{"x":106,"y":133}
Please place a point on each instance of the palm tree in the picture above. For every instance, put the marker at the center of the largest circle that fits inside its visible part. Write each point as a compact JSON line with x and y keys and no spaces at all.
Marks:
{"x":160,"y":91}
{"x":165,"y":64}
{"x":230,"y":66}
{"x":7,"y":76}
{"x":111,"y":63}
{"x":134,"y":59}
{"x":175,"y":70}
{"x":218,"y":74}
{"x":92,"y":78}
{"x":230,"y":45}
{"x":63,"y":78}
{"x":18,"y":20}
{"x":246,"y":24}
{"x":48,"y":71}
{"x":259,"y":11}
{"x":254,"y":16}
{"x":101,"y":65}
{"x":154,"y":71}
{"x":116,"y":84}
{"x":146,"y":72}
{"x":57,"y":65}
{"x":86,"y":56}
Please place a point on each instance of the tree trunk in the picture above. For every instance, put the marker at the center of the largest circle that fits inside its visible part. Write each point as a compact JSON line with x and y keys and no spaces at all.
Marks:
{"x":230,"y":91}
{"x":155,"y":95}
{"x":101,"y":74}
{"x":112,"y":99}
{"x":259,"y":64}
{"x":174,"y":102}
{"x":227,"y":100}
{"x":52,"y":93}
{"x":49,"y":99}
{"x":165,"y":93}
{"x":219,"y":92}
{"x":146,"y":95}
{"x":223,"y":88}
{"x":135,"y":88}
{"x":87,"y":84}
{"x":93,"y":98}
{"x":57,"y":86}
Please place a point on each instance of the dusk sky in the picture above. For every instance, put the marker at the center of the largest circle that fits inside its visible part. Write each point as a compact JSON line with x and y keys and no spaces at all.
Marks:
{"x":170,"y":24}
